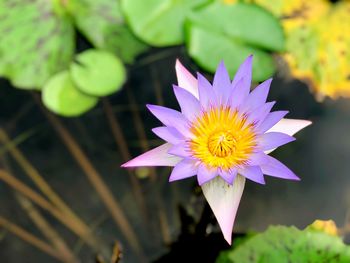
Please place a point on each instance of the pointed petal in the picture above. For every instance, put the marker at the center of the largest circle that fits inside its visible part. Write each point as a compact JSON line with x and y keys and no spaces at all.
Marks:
{"x":207,"y":96}
{"x":229,"y":176}
{"x":258,"y":96}
{"x":156,"y":157}
{"x":224,"y":201}
{"x":184,"y":169}
{"x":277,"y":169}
{"x":171,"y":118}
{"x":253,"y":173}
{"x":245,"y":73}
{"x":180,"y":149}
{"x":290,"y":126}
{"x":271,"y":119}
{"x":185,"y":79}
{"x":189,"y":104}
{"x":236,"y":96}
{"x":168,"y":134}
{"x":258,"y":115}
{"x":222,"y":83}
{"x":272,"y":140}
{"x":205,"y":174}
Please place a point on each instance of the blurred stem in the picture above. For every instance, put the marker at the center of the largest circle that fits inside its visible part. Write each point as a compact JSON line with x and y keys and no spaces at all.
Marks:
{"x":30,"y":238}
{"x":47,"y":230}
{"x":120,"y":141}
{"x":140,"y":129}
{"x":96,"y":180}
{"x":157,"y":86}
{"x":43,"y":203}
{"x":44,"y":187}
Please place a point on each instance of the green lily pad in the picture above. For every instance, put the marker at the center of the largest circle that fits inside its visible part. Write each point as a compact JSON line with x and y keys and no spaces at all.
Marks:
{"x":280,"y":244}
{"x":98,"y":73}
{"x":208,"y":48}
{"x":102,"y":23}
{"x":232,"y":32}
{"x":37,"y":41}
{"x":159,"y":22}
{"x":61,"y":96}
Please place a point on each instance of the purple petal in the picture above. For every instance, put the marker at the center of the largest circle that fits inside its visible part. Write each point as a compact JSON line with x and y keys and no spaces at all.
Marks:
{"x":236,"y":96}
{"x":224,"y":200}
{"x":272,"y":140}
{"x":222,"y":83}
{"x":290,"y":126}
{"x":185,"y":79}
{"x":181,"y":150}
{"x":205,"y":174}
{"x":207,"y":96}
{"x":245,"y":73}
{"x":189,"y":105}
{"x":168,"y":134}
{"x":258,"y":115}
{"x":259,"y":95}
{"x":257,"y":159}
{"x":156,"y":157}
{"x":277,"y":169}
{"x":229,"y":176}
{"x":184,"y":169}
{"x":171,"y":118}
{"x":253,"y":173}
{"x":271,"y":119}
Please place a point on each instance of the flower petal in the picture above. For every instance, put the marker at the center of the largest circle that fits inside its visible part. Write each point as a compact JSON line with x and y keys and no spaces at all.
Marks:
{"x":275,"y":168}
{"x":253,"y":173}
{"x":171,"y":118}
{"x":156,"y":157}
{"x":205,"y":174}
{"x":184,"y":169}
{"x":258,"y":115}
{"x":290,"y":126}
{"x":207,"y":97}
{"x":229,"y":176}
{"x":168,"y":134}
{"x":236,"y":96}
{"x":224,"y":199}
{"x":180,"y":149}
{"x":272,"y":140}
{"x":185,"y":79}
{"x":259,"y":95}
{"x":245,"y":73}
{"x":271,"y":119}
{"x":222,"y":83}
{"x":189,"y":104}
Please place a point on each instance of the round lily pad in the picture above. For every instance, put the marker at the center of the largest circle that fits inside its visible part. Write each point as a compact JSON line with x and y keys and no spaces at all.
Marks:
{"x":98,"y":73}
{"x":159,"y":22}
{"x":61,"y":96}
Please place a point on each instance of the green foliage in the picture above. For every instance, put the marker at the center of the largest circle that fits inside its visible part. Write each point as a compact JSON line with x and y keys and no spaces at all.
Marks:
{"x":36,"y":42}
{"x":61,"y":96}
{"x":279,"y":244}
{"x":232,"y":32}
{"x":102,"y":23}
{"x":98,"y":73}
{"x":159,"y":22}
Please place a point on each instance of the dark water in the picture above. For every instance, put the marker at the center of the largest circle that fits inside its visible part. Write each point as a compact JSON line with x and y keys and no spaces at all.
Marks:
{"x":320,"y":156}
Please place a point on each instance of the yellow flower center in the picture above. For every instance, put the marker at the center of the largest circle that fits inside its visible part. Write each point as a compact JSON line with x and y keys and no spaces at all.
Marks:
{"x":222,"y":138}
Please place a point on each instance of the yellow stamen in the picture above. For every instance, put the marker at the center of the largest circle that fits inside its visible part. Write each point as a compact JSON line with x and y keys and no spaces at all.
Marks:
{"x":222,"y":138}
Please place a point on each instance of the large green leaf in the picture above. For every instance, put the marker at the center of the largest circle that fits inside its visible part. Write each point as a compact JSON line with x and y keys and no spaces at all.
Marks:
{"x":103,"y":24}
{"x":232,"y":32}
{"x":159,"y":22}
{"x":37,"y":41}
{"x":98,"y":73}
{"x":61,"y":96}
{"x":281,"y":244}
{"x":208,"y":48}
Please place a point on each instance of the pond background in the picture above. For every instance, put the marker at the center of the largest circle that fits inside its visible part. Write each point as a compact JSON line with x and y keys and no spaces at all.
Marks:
{"x":320,"y":156}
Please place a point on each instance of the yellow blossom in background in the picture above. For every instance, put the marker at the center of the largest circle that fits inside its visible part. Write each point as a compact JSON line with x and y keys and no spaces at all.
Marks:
{"x":326,"y":226}
{"x":318,"y":43}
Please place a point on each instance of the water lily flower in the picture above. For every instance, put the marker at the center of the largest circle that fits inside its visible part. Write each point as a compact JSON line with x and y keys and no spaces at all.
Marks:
{"x":222,"y":135}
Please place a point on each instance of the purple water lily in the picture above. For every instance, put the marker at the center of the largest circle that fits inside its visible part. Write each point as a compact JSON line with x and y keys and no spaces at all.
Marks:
{"x":223,"y":135}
